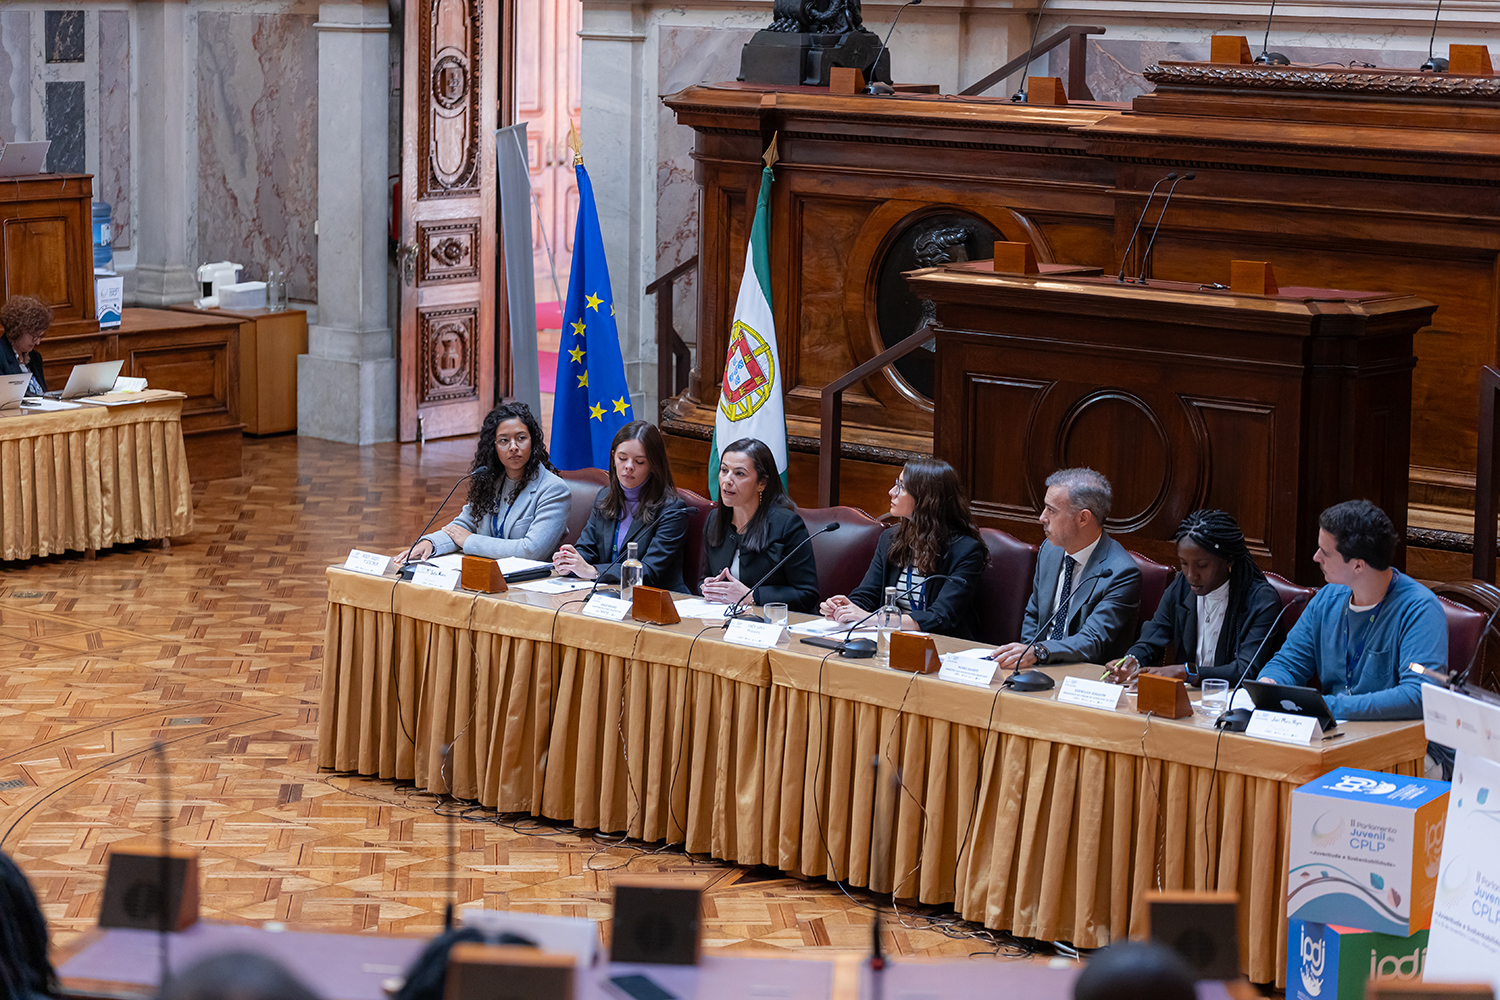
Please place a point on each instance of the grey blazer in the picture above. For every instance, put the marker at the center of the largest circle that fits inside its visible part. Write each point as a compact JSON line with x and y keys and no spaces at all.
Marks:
{"x":533,"y":529}
{"x":1101,"y":616}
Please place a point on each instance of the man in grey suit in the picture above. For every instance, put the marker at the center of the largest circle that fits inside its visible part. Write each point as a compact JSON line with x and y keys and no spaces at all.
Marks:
{"x":1086,"y":593}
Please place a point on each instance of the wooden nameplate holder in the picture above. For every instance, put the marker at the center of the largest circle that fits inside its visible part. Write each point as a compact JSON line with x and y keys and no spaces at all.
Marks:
{"x":1252,"y":277}
{"x":483,"y":972}
{"x":1163,"y":697}
{"x":1470,"y":60}
{"x":1234,"y":49}
{"x":845,"y":80}
{"x":1015,"y":258}
{"x":1046,"y":90}
{"x":483,"y":575}
{"x":652,"y":604}
{"x":914,"y":652}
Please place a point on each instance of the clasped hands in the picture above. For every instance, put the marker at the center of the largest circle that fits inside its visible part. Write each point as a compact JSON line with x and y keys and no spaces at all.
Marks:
{"x":724,"y":588}
{"x":567,"y":560}
{"x":423,"y":548}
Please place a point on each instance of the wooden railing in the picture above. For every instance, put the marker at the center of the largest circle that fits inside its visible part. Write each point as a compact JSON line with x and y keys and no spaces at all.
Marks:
{"x":831,"y":444}
{"x":1078,"y":62}
{"x":674,"y":361}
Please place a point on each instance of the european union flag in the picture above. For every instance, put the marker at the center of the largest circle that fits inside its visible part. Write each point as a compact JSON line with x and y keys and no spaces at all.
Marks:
{"x":591,"y":400}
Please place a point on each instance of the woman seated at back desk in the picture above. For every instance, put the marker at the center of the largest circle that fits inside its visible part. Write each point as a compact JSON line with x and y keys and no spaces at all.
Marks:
{"x":517,"y":506}
{"x":751,"y":529}
{"x":26,"y":321}
{"x":1216,"y":612}
{"x":639,"y":505}
{"x":935,"y":538}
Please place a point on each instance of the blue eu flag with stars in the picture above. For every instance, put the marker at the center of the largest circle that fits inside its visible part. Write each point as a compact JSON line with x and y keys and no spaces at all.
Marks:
{"x":591,"y":401}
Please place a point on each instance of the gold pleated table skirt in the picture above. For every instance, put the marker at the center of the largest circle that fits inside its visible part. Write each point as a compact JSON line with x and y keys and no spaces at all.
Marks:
{"x":1045,"y":819}
{"x":92,"y":477}
{"x":657,"y":732}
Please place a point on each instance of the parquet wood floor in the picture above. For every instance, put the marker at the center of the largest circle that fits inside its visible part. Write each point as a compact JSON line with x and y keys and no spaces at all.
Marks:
{"x":215,"y":648}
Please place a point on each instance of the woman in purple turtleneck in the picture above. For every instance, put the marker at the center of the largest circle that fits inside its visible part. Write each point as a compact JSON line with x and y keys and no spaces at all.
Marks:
{"x":639,"y":505}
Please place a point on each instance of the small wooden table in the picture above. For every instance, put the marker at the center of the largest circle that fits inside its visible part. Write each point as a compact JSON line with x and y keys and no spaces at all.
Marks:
{"x":269,"y":345}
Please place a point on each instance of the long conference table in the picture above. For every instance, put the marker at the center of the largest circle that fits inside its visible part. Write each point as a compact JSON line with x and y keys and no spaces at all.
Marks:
{"x":88,"y":478}
{"x":1045,"y":819}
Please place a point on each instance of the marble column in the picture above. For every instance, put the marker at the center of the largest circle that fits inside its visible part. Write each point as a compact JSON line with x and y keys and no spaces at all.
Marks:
{"x":167,"y":171}
{"x":347,"y":381}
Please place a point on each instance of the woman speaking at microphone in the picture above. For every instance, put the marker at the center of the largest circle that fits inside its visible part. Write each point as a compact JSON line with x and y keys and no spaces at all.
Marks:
{"x":935,"y":537}
{"x":639,"y":505}
{"x":751,"y":529}
{"x":517,"y":506}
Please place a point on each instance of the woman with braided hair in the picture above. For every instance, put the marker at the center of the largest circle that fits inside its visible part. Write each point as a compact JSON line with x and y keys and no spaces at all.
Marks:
{"x":1215,"y":613}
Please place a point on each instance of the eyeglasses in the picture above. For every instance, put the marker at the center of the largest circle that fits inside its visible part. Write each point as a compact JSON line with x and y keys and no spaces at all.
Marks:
{"x":900,"y":488}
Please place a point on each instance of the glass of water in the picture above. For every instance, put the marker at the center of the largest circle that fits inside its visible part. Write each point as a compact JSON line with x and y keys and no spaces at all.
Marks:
{"x":1215,"y":697}
{"x":776,"y":614}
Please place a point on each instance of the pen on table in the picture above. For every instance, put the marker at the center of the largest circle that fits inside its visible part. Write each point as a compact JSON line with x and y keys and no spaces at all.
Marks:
{"x":1119,"y":665}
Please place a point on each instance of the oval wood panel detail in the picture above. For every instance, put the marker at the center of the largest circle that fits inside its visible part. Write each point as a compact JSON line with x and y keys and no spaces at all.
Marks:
{"x":1105,"y":425}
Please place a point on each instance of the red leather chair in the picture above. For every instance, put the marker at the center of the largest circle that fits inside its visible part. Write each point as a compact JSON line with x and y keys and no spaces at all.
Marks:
{"x":1465,"y":633}
{"x":1154,"y":580}
{"x":585,"y":485}
{"x":1289,"y":592}
{"x":1004,"y":587}
{"x":843,"y":556}
{"x":692,"y":538}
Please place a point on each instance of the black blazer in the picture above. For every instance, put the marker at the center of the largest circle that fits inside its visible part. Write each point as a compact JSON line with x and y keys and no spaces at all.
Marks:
{"x":795,"y":584}
{"x":950,"y":603}
{"x":658,"y":544}
{"x":10,"y":363}
{"x":1176,"y":621}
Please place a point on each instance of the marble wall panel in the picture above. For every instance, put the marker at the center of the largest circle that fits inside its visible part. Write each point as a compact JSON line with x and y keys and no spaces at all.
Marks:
{"x":257,"y":144}
{"x":113,"y":183}
{"x":67,"y":118}
{"x":63,"y":36}
{"x":686,"y":55}
{"x":16,"y":76}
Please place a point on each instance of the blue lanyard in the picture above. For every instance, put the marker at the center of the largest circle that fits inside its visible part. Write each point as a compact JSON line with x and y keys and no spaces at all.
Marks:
{"x":497,"y":528}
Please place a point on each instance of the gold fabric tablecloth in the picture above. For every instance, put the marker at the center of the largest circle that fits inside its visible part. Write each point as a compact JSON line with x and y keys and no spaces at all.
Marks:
{"x":603,"y":724}
{"x":92,"y":477}
{"x":1080,"y":812}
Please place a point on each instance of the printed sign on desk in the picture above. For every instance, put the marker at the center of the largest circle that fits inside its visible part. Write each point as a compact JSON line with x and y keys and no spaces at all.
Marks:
{"x":760,"y":634}
{"x":1090,"y":694}
{"x":372,"y":563}
{"x":1464,"y":946}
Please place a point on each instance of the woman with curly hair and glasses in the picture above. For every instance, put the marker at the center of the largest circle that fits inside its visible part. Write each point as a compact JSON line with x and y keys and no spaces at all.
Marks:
{"x":26,"y":321}
{"x":1215,"y":613}
{"x":933,"y":557}
{"x":517,"y":505}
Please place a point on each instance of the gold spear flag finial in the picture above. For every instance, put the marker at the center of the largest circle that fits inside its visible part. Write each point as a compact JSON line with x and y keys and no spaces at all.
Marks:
{"x":770,"y":155}
{"x":575,"y":143}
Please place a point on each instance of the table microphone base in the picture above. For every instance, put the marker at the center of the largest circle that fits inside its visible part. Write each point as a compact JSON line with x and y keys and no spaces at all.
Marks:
{"x":1030,"y":680}
{"x":747,"y":616}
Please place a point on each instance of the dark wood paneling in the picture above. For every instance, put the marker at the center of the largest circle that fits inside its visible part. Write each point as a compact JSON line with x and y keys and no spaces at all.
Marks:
{"x":46,"y":246}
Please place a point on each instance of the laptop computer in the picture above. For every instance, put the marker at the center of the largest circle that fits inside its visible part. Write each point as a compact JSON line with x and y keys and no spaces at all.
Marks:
{"x":90,"y":380}
{"x":1291,"y":700}
{"x":21,"y":158}
{"x":12,"y":388}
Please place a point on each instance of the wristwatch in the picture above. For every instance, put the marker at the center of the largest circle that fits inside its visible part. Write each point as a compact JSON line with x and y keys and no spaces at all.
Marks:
{"x":1040,"y":651}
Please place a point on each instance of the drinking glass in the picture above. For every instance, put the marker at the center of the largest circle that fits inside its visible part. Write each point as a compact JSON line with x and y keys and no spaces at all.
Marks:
{"x":1215,"y":697}
{"x":776,"y":614}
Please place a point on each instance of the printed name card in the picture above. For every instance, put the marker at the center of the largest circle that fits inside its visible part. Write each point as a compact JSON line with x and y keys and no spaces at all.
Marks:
{"x":604,"y":606}
{"x":1090,"y":694}
{"x":762,"y":635}
{"x":962,"y":668}
{"x":372,"y":563}
{"x":1299,"y":730}
{"x":435,"y":576}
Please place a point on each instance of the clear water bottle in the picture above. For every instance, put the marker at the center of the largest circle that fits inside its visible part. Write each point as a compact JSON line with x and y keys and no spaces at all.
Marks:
{"x":276,"y":290}
{"x":631,"y":571}
{"x":887,"y":620}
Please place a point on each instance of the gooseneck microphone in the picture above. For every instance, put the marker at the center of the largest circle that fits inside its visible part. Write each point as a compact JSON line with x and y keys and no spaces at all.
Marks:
{"x":1140,"y":277}
{"x":1434,"y":64}
{"x":1019,"y":97}
{"x":407,"y":567}
{"x":1270,"y":58}
{"x":1146,"y":210}
{"x":600,"y":578}
{"x":1234,"y":720}
{"x":874,"y":88}
{"x":1036,"y":680}
{"x":737,"y":609}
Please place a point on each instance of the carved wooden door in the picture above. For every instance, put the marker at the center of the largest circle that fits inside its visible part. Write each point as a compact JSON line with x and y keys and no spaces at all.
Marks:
{"x":447,"y":256}
{"x":548,"y":83}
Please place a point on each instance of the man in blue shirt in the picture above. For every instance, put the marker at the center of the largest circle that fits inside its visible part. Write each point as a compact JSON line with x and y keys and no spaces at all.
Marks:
{"x":1360,"y":634}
